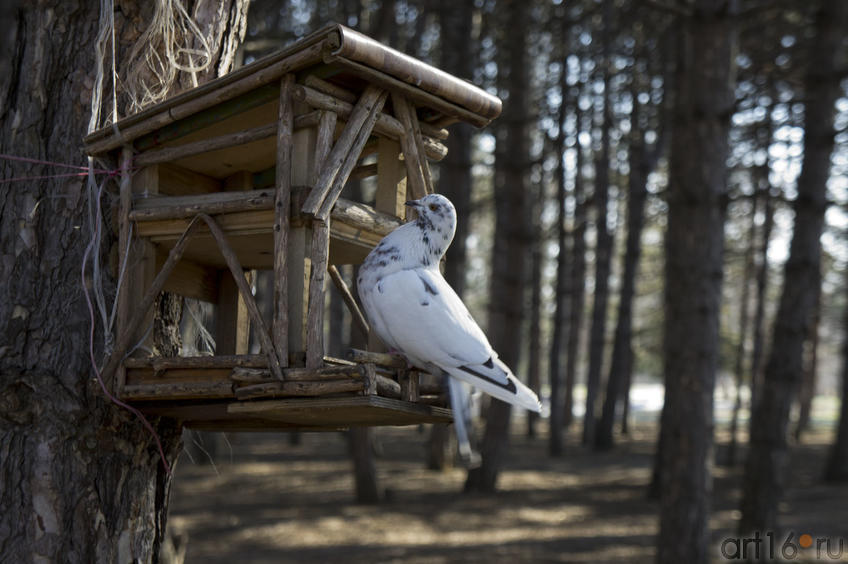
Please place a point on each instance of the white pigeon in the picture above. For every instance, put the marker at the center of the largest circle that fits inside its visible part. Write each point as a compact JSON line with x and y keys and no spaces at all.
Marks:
{"x":413,"y":309}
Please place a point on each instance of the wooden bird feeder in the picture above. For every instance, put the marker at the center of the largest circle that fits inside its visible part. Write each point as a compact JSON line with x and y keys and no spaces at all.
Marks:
{"x":244,"y":173}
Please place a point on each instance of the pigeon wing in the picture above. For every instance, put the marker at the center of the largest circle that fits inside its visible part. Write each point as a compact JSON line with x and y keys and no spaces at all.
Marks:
{"x":425,"y":318}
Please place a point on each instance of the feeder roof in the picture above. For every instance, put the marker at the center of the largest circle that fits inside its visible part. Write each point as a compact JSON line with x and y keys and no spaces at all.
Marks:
{"x":338,"y":55}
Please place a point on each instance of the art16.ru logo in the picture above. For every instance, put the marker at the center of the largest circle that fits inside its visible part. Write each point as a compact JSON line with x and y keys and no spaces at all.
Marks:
{"x":767,"y":547}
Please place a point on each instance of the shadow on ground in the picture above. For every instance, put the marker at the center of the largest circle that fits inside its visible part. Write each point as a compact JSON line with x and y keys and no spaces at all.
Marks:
{"x":266,"y":501}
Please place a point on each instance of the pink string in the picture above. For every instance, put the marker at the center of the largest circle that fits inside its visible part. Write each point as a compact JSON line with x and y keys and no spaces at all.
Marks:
{"x":84,"y":170}
{"x":106,"y":391}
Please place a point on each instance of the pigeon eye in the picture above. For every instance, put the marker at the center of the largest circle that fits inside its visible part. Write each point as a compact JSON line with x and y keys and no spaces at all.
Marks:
{"x":433,"y":207}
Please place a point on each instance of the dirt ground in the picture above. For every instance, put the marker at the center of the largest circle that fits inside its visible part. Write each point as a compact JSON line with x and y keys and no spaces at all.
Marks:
{"x":267,"y":501}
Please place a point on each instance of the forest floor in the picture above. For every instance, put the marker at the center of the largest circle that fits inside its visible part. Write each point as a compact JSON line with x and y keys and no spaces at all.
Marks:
{"x":267,"y":501}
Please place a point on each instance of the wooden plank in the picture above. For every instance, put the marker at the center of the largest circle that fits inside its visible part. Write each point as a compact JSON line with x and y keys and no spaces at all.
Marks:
{"x":174,"y":180}
{"x":232,"y":324}
{"x":315,"y":313}
{"x":288,"y":389}
{"x":178,"y":390}
{"x":217,"y":361}
{"x":345,"y":145}
{"x":345,"y":411}
{"x":391,"y":181}
{"x":191,"y":279}
{"x":176,"y":207}
{"x":285,"y":126}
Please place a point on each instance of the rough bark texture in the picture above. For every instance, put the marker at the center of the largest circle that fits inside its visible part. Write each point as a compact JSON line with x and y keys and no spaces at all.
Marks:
{"x":534,"y":344}
{"x":510,"y":245}
{"x":621,"y":362}
{"x":694,"y":268}
{"x":758,"y":327}
{"x":80,"y":479}
{"x":560,"y":331}
{"x":603,"y":245}
{"x":765,"y":469}
{"x":577,"y":281}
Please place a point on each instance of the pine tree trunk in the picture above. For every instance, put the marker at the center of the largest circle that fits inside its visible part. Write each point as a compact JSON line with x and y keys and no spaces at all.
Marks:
{"x":694,"y":245}
{"x":603,"y":244}
{"x":622,"y":352}
{"x":744,"y":319}
{"x":534,"y":345}
{"x":560,"y":331}
{"x":808,"y":375}
{"x":836,"y":468}
{"x":765,"y":469}
{"x":577,"y":284}
{"x":80,"y":478}
{"x":506,"y":306}
{"x":760,"y":297}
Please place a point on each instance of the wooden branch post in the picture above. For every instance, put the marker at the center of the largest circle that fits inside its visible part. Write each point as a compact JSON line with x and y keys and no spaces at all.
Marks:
{"x":315,"y":314}
{"x":391,"y":179}
{"x":282,"y":206}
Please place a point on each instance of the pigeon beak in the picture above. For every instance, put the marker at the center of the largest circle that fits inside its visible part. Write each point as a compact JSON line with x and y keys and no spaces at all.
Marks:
{"x":414,"y":204}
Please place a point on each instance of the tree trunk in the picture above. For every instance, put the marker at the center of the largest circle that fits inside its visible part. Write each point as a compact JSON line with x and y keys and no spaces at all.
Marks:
{"x":577,"y":284}
{"x":694,"y":245}
{"x":455,"y":181}
{"x":560,"y":331}
{"x":603,"y":244}
{"x":836,"y":468}
{"x":760,"y":296}
{"x":80,"y":478}
{"x":622,"y":352}
{"x":765,"y":470}
{"x":744,"y":318}
{"x":534,"y":345}
{"x":506,"y":306}
{"x":808,"y":374}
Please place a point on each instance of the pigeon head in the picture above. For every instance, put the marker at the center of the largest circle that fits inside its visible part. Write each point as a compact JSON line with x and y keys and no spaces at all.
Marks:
{"x":436,"y":219}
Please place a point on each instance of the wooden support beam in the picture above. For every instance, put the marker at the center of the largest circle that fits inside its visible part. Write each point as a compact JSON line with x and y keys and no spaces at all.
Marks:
{"x":181,"y":207}
{"x":391,"y":179}
{"x":282,"y":206}
{"x":349,"y":300}
{"x":160,"y":364}
{"x":351,"y":159}
{"x":232,"y":324}
{"x":345,"y":145}
{"x":299,"y":389}
{"x":416,"y":177}
{"x":323,"y":143}
{"x":344,"y":95}
{"x":408,"y":380}
{"x":386,"y":125}
{"x":315,"y":312}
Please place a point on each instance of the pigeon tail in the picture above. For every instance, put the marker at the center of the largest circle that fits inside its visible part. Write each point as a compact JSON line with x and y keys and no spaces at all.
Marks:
{"x":495,"y":378}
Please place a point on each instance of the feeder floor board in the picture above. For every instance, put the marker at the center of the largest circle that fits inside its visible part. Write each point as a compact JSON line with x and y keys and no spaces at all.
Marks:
{"x":303,"y":414}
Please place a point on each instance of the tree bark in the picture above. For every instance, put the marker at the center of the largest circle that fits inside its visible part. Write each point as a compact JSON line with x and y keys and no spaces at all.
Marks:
{"x":80,"y":478}
{"x":621,"y":363}
{"x":836,"y":468}
{"x":577,"y":284}
{"x":808,"y":374}
{"x":765,"y":469}
{"x":506,"y":306}
{"x":560,"y":331}
{"x":603,"y":244}
{"x":693,"y":272}
{"x":534,"y":345}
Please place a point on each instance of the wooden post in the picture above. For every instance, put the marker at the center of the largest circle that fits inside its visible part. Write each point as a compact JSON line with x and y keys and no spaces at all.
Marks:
{"x":414,"y":170}
{"x":123,"y":243}
{"x":232,"y":323}
{"x":350,"y":301}
{"x":344,"y":147}
{"x":282,"y":207}
{"x":352,"y":157}
{"x":391,"y":179}
{"x":315,"y":312}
